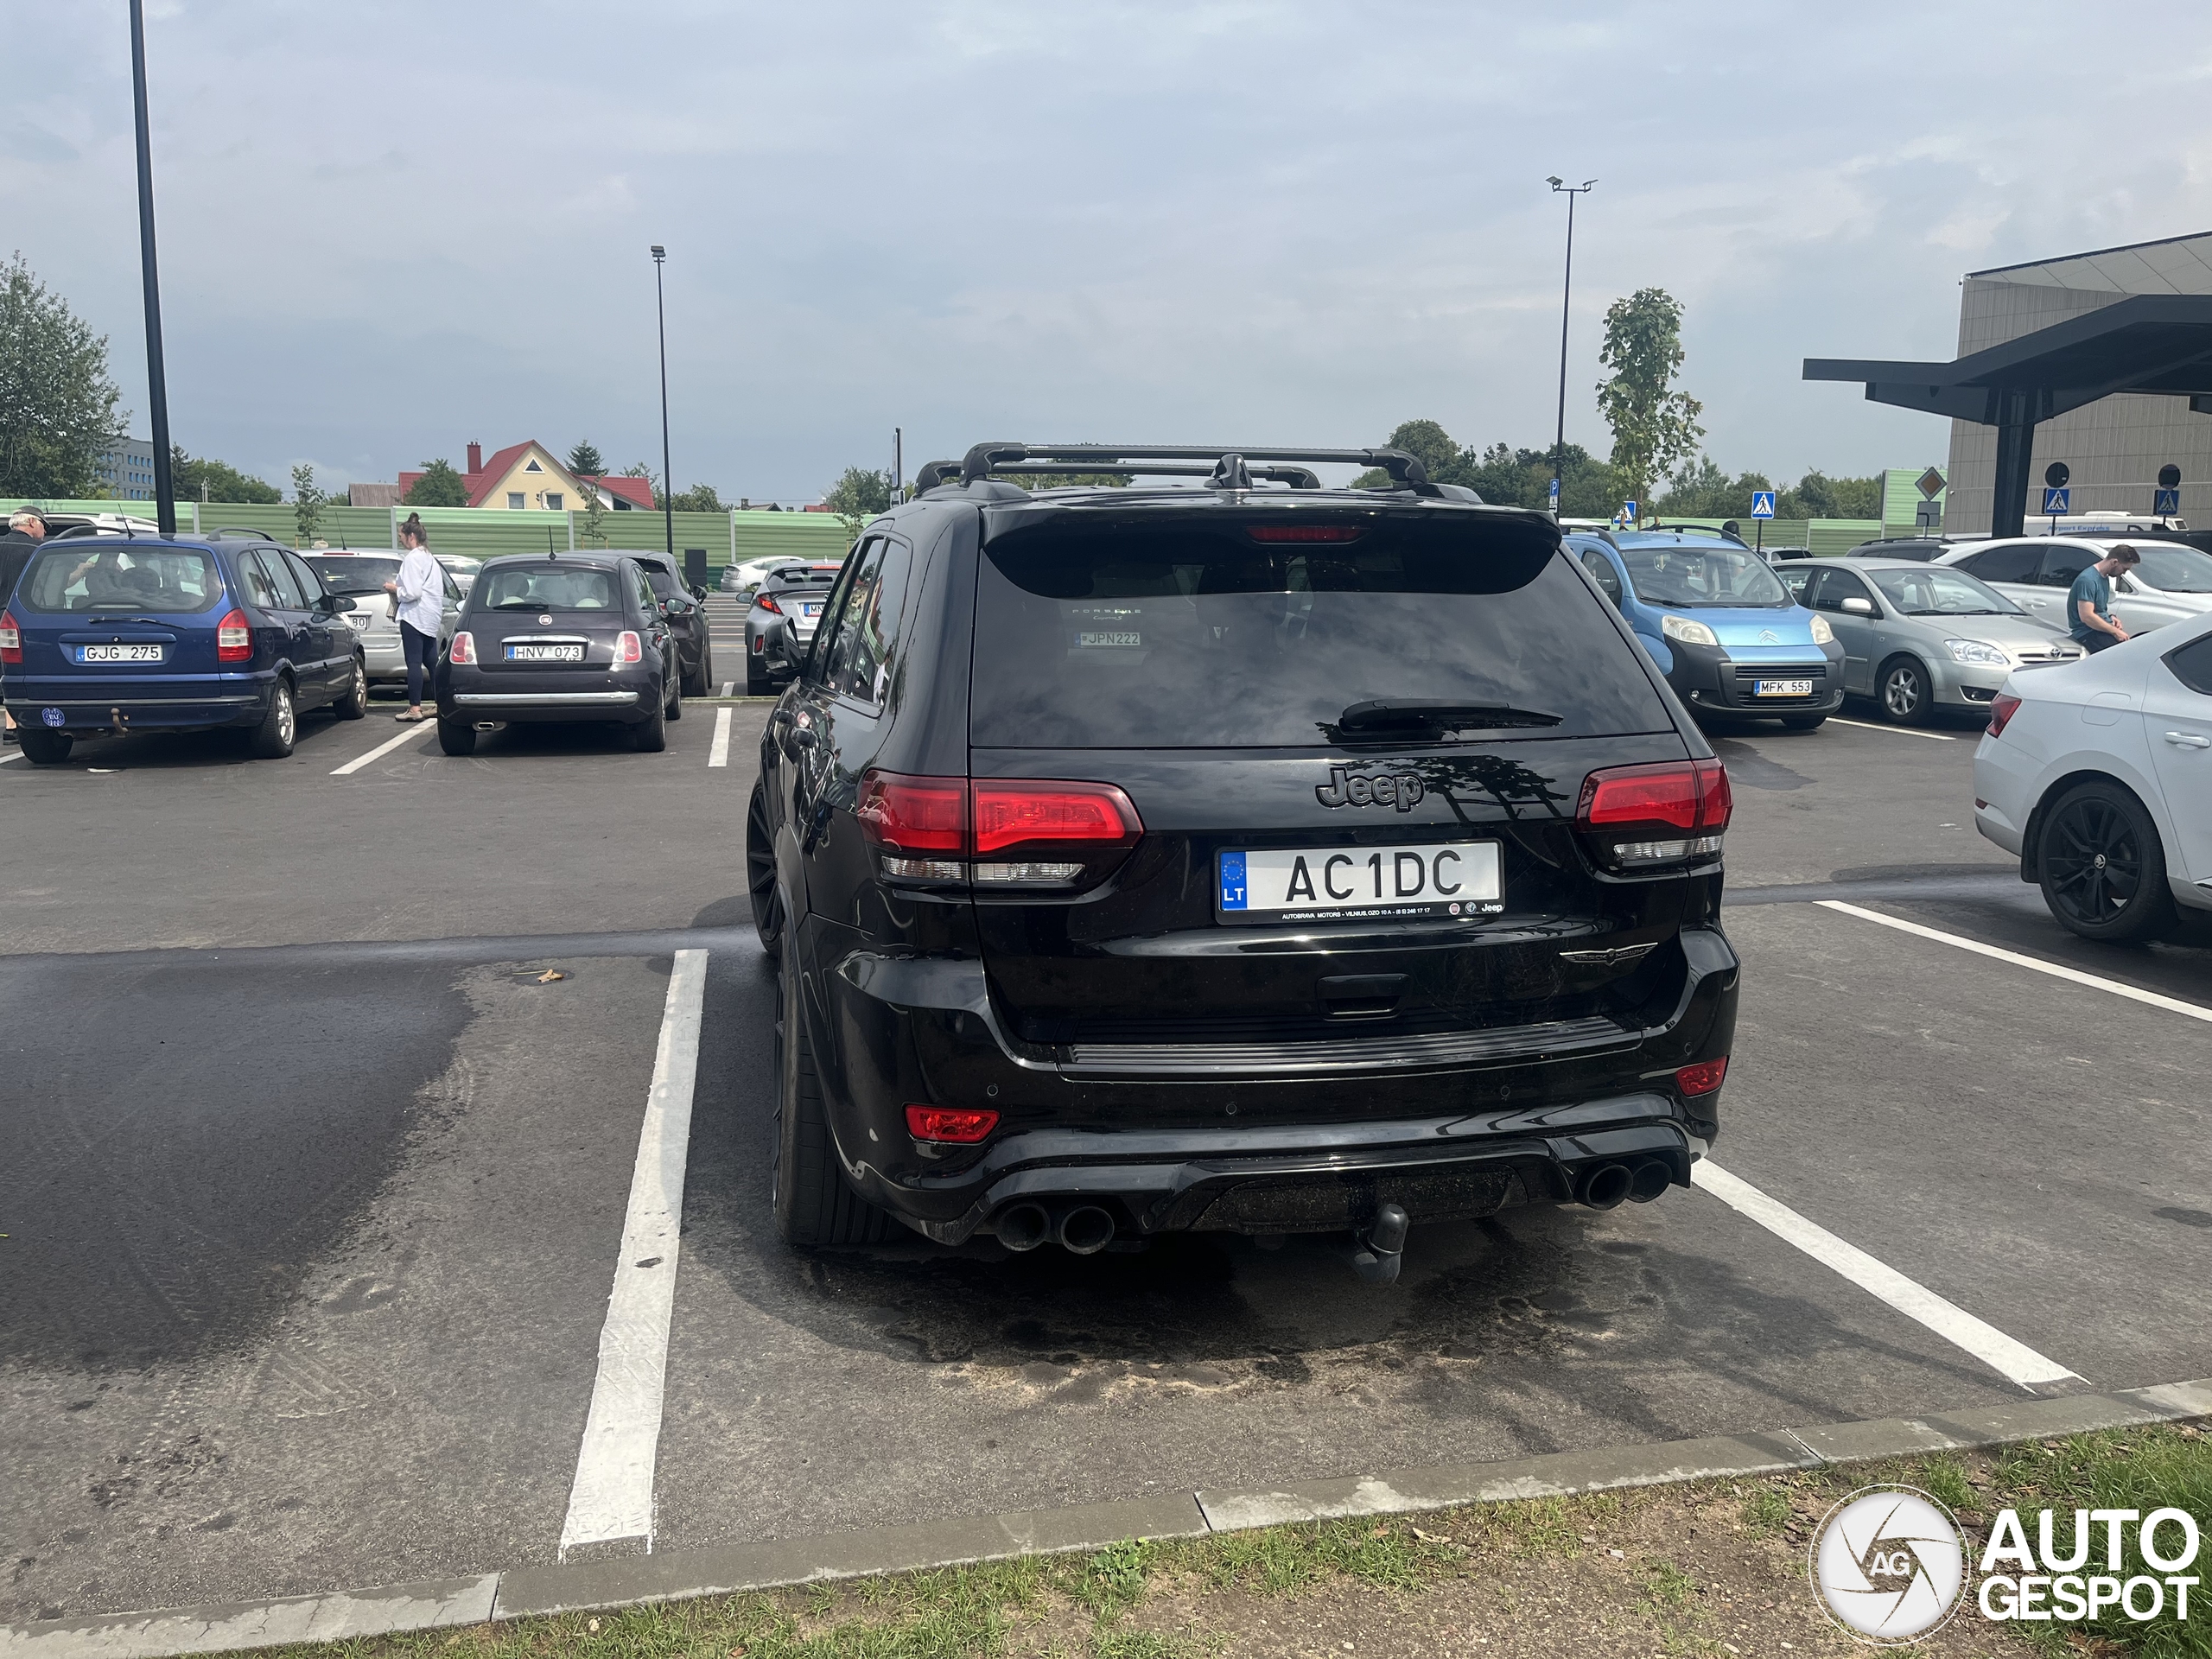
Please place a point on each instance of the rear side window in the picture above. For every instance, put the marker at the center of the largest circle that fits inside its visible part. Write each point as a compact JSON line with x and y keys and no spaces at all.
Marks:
{"x":2014,"y":561}
{"x":2192,"y":664}
{"x":2062,"y":564}
{"x":860,"y":657}
{"x":547,"y":587}
{"x":69,"y":579}
{"x":280,"y":580}
{"x":1119,"y":634}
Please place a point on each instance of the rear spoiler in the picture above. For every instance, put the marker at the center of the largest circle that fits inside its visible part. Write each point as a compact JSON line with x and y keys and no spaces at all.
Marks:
{"x":1230,"y":469}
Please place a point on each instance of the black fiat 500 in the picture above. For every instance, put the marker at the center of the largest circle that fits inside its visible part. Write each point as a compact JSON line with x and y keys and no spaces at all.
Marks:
{"x":568,"y":636}
{"x":1229,"y":858}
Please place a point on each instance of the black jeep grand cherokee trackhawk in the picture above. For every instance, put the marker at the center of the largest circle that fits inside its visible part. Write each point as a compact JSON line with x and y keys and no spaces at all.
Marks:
{"x":1229,"y":855}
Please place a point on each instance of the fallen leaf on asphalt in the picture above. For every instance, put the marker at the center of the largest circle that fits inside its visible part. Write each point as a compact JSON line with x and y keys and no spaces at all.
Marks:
{"x":550,"y":975}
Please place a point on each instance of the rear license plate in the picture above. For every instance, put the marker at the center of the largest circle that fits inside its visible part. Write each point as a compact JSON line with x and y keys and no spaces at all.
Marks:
{"x":545,"y":653}
{"x":118,"y":653}
{"x":1782,"y":688}
{"x":806,"y":609}
{"x":1458,"y":878}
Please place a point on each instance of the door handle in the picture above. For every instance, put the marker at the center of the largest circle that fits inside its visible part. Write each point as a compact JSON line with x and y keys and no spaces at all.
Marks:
{"x":2188,"y":740}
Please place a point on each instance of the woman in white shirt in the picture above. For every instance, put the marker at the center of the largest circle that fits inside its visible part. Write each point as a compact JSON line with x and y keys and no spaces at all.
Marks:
{"x":420,"y":592}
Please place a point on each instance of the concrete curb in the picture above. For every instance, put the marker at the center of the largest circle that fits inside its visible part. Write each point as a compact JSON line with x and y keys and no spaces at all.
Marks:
{"x":573,"y":1587}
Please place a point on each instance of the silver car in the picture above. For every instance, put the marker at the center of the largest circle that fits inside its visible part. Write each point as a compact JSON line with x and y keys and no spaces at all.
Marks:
{"x":360,"y":577}
{"x":1920,"y":637}
{"x":2173,"y":583}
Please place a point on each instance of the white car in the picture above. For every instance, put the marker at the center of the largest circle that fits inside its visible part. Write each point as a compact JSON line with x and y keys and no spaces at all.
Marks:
{"x":2173,"y":581}
{"x":745,"y":577}
{"x":460,"y":568}
{"x":2099,"y":775}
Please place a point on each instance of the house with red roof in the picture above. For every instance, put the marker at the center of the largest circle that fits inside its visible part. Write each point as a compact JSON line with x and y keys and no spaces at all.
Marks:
{"x":527,"y":476}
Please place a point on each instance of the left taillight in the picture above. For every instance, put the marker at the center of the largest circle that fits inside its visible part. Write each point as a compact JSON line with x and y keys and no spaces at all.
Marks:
{"x":11,"y":638}
{"x":464,"y":649}
{"x":2002,"y":707}
{"x":997,"y":832}
{"x":628,"y":648}
{"x":1634,"y":817}
{"x":234,"y":638}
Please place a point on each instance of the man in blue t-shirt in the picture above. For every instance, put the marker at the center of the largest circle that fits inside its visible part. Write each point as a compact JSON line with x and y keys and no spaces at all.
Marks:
{"x":2088,"y":601}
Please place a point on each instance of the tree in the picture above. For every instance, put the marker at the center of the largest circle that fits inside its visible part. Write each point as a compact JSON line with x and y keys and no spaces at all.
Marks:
{"x":594,"y":526}
{"x":439,"y":486}
{"x":1703,"y":490}
{"x":859,"y":496}
{"x":196,"y":478}
{"x":699,"y":498}
{"x":1655,"y":428}
{"x":1818,"y":496}
{"x":585,"y":461}
{"x":307,"y":498}
{"x":59,"y":409}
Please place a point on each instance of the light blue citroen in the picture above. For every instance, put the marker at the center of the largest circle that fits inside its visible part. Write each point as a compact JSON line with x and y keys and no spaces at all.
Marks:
{"x":1722,"y":628}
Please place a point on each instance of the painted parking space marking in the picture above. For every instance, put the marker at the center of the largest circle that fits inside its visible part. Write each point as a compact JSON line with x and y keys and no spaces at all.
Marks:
{"x":378,"y":752}
{"x":727,"y":686}
{"x":2013,"y":1359}
{"x":718,"y":755}
{"x":2057,"y":971}
{"x":1894,"y":731}
{"x":612,"y":1497}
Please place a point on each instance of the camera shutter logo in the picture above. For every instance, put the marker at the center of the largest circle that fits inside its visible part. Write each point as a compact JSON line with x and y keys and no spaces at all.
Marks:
{"x":1889,"y":1564}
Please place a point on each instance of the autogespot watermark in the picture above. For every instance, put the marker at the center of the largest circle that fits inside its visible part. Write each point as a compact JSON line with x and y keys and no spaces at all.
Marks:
{"x":1890,"y":1564}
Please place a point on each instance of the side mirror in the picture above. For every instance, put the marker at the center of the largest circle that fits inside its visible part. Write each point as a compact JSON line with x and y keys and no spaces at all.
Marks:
{"x":1859,"y":607}
{"x":334,"y":605}
{"x":699,"y":592}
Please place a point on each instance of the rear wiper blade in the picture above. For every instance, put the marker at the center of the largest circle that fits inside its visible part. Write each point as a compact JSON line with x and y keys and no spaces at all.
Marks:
{"x":1382,"y":712}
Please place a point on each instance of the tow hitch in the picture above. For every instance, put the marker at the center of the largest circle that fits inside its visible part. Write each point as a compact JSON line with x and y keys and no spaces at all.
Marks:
{"x":1383,"y":1247}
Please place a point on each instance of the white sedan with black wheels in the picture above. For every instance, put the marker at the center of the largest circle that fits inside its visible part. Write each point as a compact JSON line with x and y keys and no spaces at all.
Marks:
{"x":2099,"y":775}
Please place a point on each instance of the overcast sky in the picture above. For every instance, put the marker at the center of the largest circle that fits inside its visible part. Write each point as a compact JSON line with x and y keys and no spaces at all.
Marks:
{"x":389,"y":229}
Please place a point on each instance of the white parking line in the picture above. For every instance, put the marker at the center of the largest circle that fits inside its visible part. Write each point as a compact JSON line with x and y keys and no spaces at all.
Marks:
{"x":612,"y":1497}
{"x":1894,"y":731}
{"x":1915,"y":1301}
{"x":719,"y":755}
{"x":17,"y":754}
{"x":2170,"y":1004}
{"x":727,"y":686}
{"x":378,"y":752}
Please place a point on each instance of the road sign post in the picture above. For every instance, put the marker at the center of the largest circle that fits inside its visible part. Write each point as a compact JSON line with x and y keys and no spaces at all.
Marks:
{"x":2166,"y":498}
{"x":2057,"y":497}
{"x":1762,"y":510}
{"x":1628,"y":515}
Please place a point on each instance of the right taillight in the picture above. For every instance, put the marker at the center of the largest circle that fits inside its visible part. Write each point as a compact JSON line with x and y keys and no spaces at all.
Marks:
{"x":11,"y":638}
{"x":234,"y":638}
{"x":464,"y":649}
{"x":767,"y":604}
{"x":999,"y":832}
{"x":1638,"y":817}
{"x":2001,"y":708}
{"x":628,"y":648}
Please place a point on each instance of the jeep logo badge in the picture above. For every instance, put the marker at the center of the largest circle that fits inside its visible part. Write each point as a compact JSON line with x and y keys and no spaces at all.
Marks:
{"x":1392,"y":789}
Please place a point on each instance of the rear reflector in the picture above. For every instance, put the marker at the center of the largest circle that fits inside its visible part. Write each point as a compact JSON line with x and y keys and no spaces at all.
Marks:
{"x":11,"y":638}
{"x":234,"y":638}
{"x":1700,"y":1079}
{"x":1306,"y":532}
{"x":464,"y":648}
{"x":2001,"y":708}
{"x":960,"y":1125}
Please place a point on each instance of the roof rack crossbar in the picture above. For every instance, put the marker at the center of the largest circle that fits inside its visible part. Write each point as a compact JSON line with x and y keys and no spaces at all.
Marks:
{"x":1301,"y":478}
{"x":986,"y":458}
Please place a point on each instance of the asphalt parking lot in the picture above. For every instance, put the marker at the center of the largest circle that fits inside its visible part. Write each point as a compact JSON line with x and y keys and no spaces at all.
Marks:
{"x":317,"y":1179}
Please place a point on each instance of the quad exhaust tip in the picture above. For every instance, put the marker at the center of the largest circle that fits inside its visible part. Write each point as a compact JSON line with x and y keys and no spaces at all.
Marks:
{"x":1081,"y":1229}
{"x":1086,"y":1230}
{"x":1609,"y":1186}
{"x":1024,"y":1226}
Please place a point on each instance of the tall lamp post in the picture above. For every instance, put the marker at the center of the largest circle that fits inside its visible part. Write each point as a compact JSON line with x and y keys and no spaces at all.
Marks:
{"x":667,"y":483}
{"x":157,"y":386}
{"x":1560,"y":186}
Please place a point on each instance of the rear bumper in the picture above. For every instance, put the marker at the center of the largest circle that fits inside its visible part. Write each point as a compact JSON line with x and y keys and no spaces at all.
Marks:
{"x":1260,"y":1138}
{"x":212,"y":701}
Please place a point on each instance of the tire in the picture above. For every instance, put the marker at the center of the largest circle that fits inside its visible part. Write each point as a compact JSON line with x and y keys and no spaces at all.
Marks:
{"x":701,"y":684}
{"x":1804,"y":722}
{"x":2101,"y":866}
{"x":44,"y":748}
{"x":354,"y":702}
{"x":1904,"y":692}
{"x":814,"y":1205}
{"x":457,"y":737}
{"x":760,"y":872}
{"x":273,"y":739}
{"x":650,"y":736}
{"x":757,"y":684}
{"x":673,"y":708}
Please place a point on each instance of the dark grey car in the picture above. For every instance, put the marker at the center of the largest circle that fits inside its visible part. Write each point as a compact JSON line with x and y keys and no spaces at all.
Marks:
{"x":779,"y":627}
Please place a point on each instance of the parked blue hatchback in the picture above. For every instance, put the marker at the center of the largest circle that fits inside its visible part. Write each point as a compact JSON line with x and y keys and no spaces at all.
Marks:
{"x":1722,"y":628}
{"x":110,"y":634}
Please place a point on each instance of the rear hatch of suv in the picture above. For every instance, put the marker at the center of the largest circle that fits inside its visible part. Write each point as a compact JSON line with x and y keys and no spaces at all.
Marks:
{"x":106,"y":620}
{"x":1357,"y":739}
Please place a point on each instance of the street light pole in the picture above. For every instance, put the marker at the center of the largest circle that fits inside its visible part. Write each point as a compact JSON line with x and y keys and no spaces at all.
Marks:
{"x":1560,"y":186}
{"x":157,"y":385}
{"x":667,"y":483}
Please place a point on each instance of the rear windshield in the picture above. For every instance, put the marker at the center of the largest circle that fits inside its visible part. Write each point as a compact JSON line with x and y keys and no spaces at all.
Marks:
{"x":547,"y":587}
{"x":352,"y":574}
{"x":1146,"y":636}
{"x":2176,"y":569}
{"x":1691,"y":576}
{"x":84,"y":579}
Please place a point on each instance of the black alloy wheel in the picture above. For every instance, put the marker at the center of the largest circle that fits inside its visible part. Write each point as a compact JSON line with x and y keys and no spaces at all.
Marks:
{"x":1904,"y":692}
{"x":814,"y":1203}
{"x":760,"y":872}
{"x":2102,"y":871}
